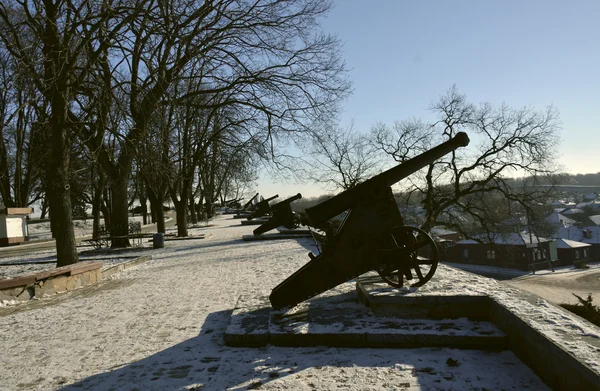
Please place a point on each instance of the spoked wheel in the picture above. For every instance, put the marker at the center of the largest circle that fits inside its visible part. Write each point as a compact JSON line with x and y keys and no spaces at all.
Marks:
{"x":412,"y":251}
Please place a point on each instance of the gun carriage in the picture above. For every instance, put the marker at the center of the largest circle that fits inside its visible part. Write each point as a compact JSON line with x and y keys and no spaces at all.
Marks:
{"x":372,"y":236}
{"x":281,"y":215}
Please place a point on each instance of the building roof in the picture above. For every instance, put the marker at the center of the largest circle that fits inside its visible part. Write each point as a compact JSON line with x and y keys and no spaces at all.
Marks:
{"x":573,"y":211}
{"x":441,"y":230}
{"x":566,"y":243}
{"x":595,"y":219}
{"x":513,"y":239}
{"x":577,"y":234}
{"x":559,"y":219}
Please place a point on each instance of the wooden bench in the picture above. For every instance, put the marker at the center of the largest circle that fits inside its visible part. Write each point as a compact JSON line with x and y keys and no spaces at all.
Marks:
{"x":104,"y":238}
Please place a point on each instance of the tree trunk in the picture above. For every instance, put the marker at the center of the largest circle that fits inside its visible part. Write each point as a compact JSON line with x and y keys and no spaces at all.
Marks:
{"x":105,"y":206}
{"x":143,"y":200}
{"x":96,"y":205}
{"x":181,"y":210}
{"x":59,"y":189}
{"x":120,"y":213}
{"x":44,"y":207}
{"x":193,"y":214}
{"x":160,"y":213}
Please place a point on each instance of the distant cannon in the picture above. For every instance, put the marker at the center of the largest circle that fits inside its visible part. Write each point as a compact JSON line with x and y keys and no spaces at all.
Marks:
{"x":245,"y":211}
{"x":262,"y":208}
{"x":371,"y":237}
{"x":233,"y":203}
{"x":247,"y":204}
{"x":282,"y":215}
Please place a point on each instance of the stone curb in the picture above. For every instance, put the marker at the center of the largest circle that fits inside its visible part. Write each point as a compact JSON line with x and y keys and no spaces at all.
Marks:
{"x":59,"y":280}
{"x":112,"y":270}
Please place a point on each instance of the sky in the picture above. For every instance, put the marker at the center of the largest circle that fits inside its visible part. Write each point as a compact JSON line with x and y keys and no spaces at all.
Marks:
{"x":403,"y":55}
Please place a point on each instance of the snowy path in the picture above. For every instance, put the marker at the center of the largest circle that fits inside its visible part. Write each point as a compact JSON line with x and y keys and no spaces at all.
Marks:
{"x":159,"y":326}
{"x":559,"y":288}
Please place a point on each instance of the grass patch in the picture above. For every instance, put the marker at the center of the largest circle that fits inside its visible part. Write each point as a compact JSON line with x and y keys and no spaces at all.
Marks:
{"x":585,"y":308}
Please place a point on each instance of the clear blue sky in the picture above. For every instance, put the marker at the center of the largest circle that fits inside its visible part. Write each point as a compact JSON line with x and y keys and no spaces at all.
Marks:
{"x":405,"y":54}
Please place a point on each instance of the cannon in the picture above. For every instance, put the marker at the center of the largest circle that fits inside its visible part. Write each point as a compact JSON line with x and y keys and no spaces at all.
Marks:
{"x":247,"y":204}
{"x":281,"y":215}
{"x":245,"y":210}
{"x":262,"y":208}
{"x":372,"y":236}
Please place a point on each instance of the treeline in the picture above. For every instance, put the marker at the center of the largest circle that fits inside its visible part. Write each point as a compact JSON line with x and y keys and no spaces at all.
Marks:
{"x":105,"y":102}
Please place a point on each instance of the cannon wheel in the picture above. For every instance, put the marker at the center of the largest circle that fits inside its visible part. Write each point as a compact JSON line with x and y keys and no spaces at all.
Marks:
{"x":415,"y":251}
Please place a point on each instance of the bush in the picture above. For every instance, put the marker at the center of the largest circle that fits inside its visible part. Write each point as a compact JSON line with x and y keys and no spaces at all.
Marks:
{"x":581,"y":265}
{"x":585,"y":308}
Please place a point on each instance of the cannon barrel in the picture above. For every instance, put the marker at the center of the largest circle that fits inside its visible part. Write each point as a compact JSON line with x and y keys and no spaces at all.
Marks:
{"x":270,"y":199}
{"x":330,"y":208}
{"x":282,"y":216}
{"x":262,"y":208}
{"x":247,"y":204}
{"x":286,"y":201}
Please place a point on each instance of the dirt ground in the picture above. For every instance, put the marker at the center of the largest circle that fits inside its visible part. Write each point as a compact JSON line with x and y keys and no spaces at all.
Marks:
{"x":559,"y":288}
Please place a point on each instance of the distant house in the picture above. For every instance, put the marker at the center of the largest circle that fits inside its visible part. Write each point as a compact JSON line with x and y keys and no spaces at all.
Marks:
{"x":522,"y":251}
{"x":594,"y":219}
{"x":594,"y":205}
{"x":558,"y":220}
{"x":589,"y":235}
{"x":570,"y":251}
{"x":573,"y":211}
{"x":563,"y":204}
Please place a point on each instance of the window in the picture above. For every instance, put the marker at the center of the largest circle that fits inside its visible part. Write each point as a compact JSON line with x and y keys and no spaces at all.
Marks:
{"x":576,"y":254}
{"x":491,"y":254}
{"x":586,"y":253}
{"x":465,"y":253}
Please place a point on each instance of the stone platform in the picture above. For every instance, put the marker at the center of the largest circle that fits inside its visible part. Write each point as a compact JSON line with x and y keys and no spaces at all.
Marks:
{"x":276,"y":236}
{"x":343,"y":321}
{"x":376,"y":316}
{"x":254,"y":222}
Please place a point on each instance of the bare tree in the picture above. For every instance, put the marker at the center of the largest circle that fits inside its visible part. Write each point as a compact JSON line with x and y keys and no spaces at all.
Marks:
{"x":340,"y":159}
{"x":58,"y":43}
{"x":265,"y":57}
{"x":506,"y":143}
{"x":22,"y":136}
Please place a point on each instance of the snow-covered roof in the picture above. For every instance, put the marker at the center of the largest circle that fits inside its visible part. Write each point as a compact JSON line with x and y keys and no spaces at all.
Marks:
{"x":595,"y":219}
{"x":577,"y":234}
{"x":513,"y":239}
{"x":441,"y":231}
{"x":573,"y":211}
{"x":566,"y":243}
{"x":559,"y":219}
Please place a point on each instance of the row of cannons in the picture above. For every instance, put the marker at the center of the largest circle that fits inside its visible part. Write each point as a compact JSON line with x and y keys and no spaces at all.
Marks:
{"x":371,"y":235}
{"x":270,"y":216}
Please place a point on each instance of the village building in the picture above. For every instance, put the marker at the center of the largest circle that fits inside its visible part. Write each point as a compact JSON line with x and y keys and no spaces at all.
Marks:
{"x":523,"y":251}
{"x":571,"y":252}
{"x":588,"y":234}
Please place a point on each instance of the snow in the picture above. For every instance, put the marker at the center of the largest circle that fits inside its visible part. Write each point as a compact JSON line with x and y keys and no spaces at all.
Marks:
{"x":159,"y":326}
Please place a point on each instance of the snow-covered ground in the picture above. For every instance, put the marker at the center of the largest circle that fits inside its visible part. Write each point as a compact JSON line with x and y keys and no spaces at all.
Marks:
{"x":159,"y":326}
{"x":556,"y":286}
